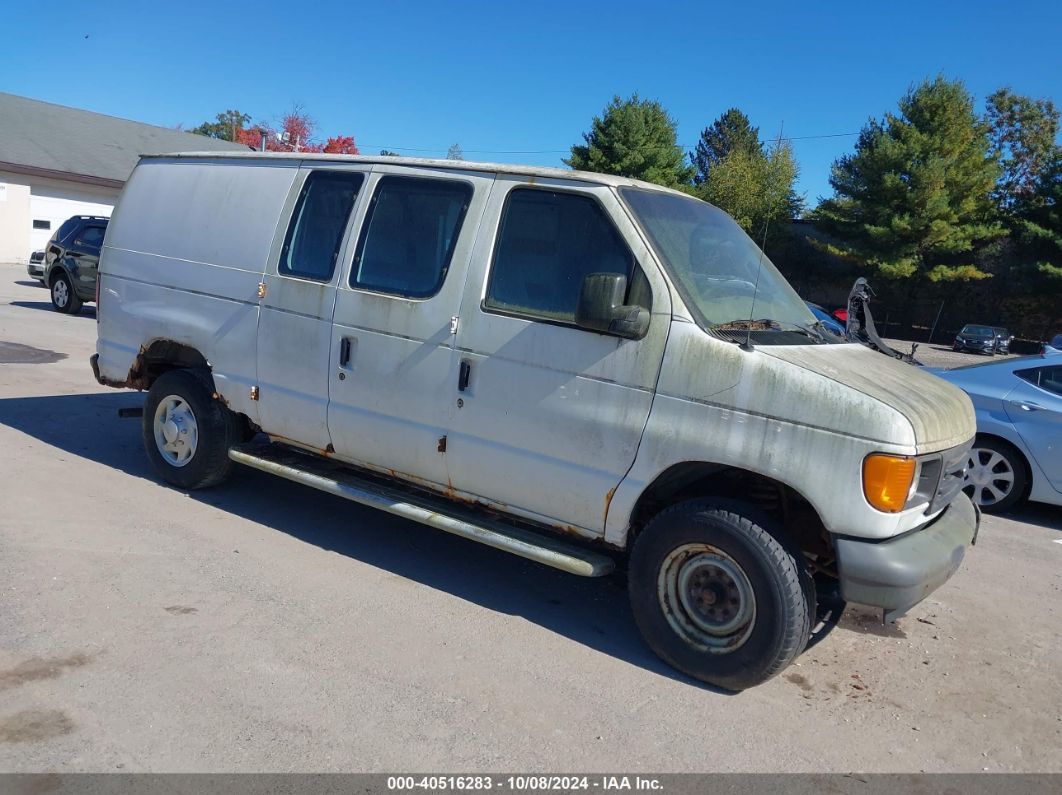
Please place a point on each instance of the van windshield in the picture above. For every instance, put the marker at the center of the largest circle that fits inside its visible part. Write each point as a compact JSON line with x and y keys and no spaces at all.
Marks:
{"x":714,"y":264}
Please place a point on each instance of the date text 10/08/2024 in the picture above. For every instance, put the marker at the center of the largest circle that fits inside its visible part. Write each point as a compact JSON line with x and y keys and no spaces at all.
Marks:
{"x":529,"y":783}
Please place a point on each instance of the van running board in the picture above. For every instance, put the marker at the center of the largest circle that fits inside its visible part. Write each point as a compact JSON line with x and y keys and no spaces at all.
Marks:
{"x":329,"y":476}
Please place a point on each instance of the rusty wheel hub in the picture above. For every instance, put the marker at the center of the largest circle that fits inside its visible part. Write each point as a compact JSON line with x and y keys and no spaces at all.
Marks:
{"x":707,"y":598}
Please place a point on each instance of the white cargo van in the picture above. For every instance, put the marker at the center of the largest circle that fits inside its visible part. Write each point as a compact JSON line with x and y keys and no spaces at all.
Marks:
{"x":554,"y":363}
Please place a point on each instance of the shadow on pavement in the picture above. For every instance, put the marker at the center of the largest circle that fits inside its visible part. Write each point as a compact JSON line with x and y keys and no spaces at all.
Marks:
{"x":88,"y":311}
{"x":1040,"y":514}
{"x":29,"y":283}
{"x":593,"y":612}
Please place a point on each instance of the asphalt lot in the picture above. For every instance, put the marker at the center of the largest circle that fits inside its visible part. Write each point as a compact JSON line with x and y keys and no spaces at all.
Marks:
{"x":265,"y":626}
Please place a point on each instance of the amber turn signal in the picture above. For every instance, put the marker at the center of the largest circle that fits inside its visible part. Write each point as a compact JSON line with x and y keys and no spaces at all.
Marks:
{"x":887,"y":481}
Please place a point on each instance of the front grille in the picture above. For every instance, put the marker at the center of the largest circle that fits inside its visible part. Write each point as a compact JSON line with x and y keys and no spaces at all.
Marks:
{"x":953,"y":474}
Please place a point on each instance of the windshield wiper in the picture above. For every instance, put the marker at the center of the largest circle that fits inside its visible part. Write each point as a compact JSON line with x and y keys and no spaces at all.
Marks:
{"x":814,"y":331}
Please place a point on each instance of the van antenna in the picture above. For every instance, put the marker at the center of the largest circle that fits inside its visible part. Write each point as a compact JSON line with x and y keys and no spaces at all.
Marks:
{"x":747,"y":344}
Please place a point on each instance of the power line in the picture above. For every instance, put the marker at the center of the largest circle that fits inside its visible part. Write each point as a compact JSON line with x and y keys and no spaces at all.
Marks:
{"x":565,"y":151}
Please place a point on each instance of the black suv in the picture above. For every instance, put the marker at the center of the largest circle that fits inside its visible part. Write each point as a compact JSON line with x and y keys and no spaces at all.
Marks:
{"x":1003,"y":340}
{"x":72,"y":261}
{"x":978,"y":338}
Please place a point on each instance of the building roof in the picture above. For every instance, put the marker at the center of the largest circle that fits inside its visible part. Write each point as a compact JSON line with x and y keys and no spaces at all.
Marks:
{"x":531,"y":172}
{"x":68,"y":143}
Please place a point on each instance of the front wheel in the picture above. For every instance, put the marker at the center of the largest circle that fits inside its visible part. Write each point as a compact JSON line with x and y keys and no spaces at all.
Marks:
{"x":64,"y":299}
{"x":187,"y":433}
{"x":718,"y":595}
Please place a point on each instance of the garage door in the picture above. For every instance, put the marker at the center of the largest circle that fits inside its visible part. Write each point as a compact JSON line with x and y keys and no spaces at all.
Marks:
{"x":48,"y":212}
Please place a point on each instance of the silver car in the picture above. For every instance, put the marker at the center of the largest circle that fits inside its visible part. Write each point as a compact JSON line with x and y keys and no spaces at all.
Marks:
{"x":1018,"y":451}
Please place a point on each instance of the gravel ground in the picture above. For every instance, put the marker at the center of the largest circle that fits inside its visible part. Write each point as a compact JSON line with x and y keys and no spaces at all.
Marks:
{"x":935,"y":355}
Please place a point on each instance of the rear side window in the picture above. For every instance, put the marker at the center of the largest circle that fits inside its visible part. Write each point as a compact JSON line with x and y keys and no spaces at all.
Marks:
{"x":92,"y":236}
{"x":68,"y":227}
{"x":547,"y":244}
{"x":1049,"y":378}
{"x":409,"y":235}
{"x":315,"y":233}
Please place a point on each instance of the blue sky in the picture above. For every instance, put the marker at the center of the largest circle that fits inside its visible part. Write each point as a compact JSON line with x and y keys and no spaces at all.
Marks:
{"x":519,"y":82}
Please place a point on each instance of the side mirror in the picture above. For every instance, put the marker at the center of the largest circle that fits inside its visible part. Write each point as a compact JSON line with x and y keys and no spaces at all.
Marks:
{"x":601,"y":307}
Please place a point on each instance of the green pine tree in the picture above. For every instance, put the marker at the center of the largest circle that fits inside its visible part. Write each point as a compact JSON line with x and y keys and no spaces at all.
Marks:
{"x":731,"y":132}
{"x":633,"y":138}
{"x":1039,"y":225}
{"x":915,"y":196}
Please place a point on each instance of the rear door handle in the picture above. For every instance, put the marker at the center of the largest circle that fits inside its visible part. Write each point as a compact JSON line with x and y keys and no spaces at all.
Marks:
{"x":344,"y":351}
{"x":463,"y":375}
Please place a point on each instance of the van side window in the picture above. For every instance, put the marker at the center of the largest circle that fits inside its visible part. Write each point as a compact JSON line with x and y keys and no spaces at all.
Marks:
{"x":316,"y":229}
{"x":547,"y":244}
{"x":409,"y":235}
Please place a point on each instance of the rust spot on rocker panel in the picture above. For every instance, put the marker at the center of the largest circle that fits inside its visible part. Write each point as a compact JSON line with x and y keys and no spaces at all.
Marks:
{"x":608,"y":501}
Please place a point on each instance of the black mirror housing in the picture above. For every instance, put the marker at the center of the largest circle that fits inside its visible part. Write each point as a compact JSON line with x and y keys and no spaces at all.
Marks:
{"x":601,"y":307}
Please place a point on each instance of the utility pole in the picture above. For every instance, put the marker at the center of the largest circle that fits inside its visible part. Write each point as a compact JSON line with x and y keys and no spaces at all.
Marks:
{"x":933,"y":330}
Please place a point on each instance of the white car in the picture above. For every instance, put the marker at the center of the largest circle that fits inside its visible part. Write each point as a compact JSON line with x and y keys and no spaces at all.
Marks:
{"x":555,"y":363}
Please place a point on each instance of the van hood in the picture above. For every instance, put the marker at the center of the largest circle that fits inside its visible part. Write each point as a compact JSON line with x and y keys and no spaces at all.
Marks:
{"x":940,"y":414}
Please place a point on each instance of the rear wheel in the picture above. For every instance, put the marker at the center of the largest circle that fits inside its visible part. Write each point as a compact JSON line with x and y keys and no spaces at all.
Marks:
{"x":187,"y":433}
{"x":718,"y":596}
{"x":995,"y":475}
{"x":64,"y":299}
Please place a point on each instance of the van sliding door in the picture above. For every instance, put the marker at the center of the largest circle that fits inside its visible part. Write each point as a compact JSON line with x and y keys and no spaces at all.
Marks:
{"x":393,"y":378}
{"x":295,"y":324}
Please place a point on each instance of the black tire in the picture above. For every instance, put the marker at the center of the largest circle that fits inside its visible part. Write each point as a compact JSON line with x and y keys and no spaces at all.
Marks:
{"x":783,"y":593}
{"x":64,"y":299}
{"x":217,"y":429}
{"x":1011,"y":460}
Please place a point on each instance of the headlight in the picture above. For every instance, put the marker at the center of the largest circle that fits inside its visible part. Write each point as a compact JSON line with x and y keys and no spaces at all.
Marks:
{"x":892,"y":483}
{"x":888,"y":481}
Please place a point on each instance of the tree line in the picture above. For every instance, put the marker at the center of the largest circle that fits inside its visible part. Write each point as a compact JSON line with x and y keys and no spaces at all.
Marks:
{"x":936,"y":200}
{"x":295,"y":133}
{"x":941,"y":204}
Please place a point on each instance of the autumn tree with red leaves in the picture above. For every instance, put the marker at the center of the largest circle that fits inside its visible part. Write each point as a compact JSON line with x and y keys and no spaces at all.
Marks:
{"x":295,"y":134}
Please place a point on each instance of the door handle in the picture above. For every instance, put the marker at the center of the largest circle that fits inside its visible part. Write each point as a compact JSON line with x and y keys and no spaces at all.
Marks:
{"x":1025,"y":405}
{"x":344,"y":351}
{"x":463,"y":375}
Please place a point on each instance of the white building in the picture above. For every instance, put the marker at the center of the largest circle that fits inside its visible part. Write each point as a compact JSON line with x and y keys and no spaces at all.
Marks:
{"x":56,"y":162}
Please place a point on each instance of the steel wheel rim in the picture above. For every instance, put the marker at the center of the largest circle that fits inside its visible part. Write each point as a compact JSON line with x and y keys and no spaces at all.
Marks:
{"x":989,"y":477}
{"x":707,"y":598}
{"x":60,"y":292}
{"x":176,"y":431}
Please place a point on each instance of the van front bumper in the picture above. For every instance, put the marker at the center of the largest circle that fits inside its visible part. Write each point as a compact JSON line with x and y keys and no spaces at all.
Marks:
{"x":898,"y":573}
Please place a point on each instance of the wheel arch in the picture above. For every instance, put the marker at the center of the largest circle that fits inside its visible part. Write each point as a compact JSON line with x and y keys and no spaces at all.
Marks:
{"x":1022,"y":457}
{"x":791,"y":511}
{"x":161,"y":356}
{"x":54,"y":271}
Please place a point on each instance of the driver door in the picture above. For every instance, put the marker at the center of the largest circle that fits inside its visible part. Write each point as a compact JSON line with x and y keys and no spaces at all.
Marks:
{"x":548,"y":415}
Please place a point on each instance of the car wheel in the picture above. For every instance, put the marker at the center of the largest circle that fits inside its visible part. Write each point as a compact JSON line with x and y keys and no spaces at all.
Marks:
{"x":718,"y":596}
{"x":995,"y":475}
{"x":64,"y":299}
{"x":187,"y":432}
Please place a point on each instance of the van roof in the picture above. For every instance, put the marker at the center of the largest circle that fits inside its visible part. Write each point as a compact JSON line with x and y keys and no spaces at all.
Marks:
{"x":452,"y":165}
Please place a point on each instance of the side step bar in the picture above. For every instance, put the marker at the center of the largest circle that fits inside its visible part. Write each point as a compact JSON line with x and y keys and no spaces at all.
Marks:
{"x":329,"y":476}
